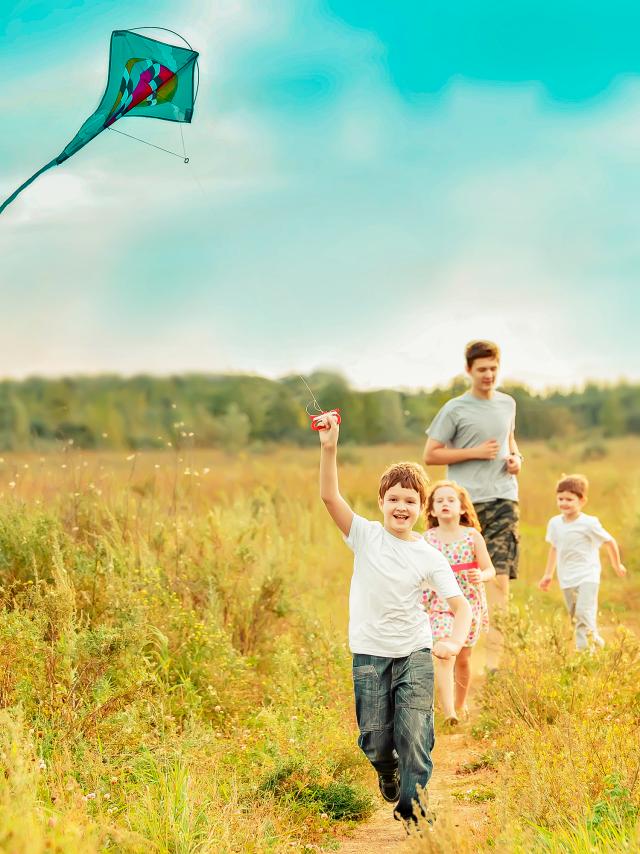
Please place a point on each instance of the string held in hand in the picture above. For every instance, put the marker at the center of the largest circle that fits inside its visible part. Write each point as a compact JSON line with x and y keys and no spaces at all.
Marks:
{"x":315,"y":417}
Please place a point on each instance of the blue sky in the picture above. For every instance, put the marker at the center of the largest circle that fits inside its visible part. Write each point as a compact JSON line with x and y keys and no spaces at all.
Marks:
{"x":371,"y":185}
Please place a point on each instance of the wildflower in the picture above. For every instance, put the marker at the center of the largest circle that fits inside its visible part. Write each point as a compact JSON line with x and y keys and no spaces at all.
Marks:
{"x":12,"y":484}
{"x":113,"y":780}
{"x":42,"y":765}
{"x":89,"y":796}
{"x":106,"y":795}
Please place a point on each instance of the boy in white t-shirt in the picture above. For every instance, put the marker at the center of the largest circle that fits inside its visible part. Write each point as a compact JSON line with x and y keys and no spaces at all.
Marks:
{"x":575,"y":541}
{"x":389,"y":631}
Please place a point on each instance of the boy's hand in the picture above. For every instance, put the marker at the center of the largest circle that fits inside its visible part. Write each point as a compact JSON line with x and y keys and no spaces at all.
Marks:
{"x":620,"y":570}
{"x":488,"y":450}
{"x":514,"y":463}
{"x":545,"y":582}
{"x":445,"y":649}
{"x":330,"y":430}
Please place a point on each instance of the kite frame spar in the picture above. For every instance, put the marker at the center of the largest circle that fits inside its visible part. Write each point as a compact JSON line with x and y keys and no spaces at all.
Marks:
{"x":109,"y":126}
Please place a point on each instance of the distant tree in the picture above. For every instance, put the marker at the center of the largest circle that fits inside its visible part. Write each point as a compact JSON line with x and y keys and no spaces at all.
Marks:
{"x":232,"y":429}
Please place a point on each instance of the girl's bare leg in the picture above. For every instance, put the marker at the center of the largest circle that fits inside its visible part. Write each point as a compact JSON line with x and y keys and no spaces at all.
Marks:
{"x":444,"y":685}
{"x":462,"y":678}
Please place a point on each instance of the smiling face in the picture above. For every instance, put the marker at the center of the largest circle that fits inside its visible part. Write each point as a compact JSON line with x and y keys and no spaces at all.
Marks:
{"x":484,"y":374}
{"x":570,"y":504}
{"x":445,"y":504}
{"x":400,"y":510}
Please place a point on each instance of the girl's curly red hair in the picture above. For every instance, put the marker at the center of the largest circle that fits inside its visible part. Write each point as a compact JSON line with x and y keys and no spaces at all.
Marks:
{"x":468,"y":515}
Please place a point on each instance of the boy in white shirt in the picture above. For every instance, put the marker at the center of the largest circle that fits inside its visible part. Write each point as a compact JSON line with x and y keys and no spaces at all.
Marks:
{"x":575,"y":541}
{"x":389,"y":631}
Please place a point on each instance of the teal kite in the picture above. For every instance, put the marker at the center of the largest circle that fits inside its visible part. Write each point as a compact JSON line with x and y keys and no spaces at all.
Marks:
{"x":146,"y":78}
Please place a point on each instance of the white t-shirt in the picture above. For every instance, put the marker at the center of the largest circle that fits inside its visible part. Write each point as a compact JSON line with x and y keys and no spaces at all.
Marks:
{"x":386,"y":614}
{"x":578,"y":546}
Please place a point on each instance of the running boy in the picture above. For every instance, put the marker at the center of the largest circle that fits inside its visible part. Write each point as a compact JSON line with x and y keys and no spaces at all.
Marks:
{"x":474,"y":436}
{"x":389,"y":632}
{"x":575,"y":541}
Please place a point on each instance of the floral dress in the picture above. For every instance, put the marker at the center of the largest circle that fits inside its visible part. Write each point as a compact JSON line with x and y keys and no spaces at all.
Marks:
{"x":461,"y":555}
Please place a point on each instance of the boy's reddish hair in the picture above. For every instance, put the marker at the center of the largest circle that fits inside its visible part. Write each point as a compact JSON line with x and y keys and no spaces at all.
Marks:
{"x":468,"y":515}
{"x":481,"y":350}
{"x":576,"y":483}
{"x":409,"y":476}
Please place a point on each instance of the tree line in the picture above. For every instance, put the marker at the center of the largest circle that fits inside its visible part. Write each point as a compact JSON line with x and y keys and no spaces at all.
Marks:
{"x":234,"y":411}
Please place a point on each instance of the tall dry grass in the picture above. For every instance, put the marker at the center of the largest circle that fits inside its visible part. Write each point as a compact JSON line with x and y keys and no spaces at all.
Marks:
{"x":174,"y":674}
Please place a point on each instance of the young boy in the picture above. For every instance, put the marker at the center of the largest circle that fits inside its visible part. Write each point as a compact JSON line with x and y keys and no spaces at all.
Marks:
{"x":389,"y":631}
{"x":575,"y":541}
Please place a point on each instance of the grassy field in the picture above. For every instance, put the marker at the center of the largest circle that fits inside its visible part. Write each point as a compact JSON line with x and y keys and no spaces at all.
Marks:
{"x":174,"y":675}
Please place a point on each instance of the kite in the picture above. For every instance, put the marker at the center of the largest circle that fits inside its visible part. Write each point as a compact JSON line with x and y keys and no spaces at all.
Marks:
{"x":146,"y":78}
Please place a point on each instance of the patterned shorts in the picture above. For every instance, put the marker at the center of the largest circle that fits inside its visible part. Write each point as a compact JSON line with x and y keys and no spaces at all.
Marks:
{"x":499,"y":521}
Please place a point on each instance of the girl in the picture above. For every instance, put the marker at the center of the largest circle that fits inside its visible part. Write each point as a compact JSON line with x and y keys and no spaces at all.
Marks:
{"x":453,"y":529}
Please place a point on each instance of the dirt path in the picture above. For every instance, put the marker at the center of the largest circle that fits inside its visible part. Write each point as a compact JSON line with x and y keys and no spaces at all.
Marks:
{"x":456,"y":796}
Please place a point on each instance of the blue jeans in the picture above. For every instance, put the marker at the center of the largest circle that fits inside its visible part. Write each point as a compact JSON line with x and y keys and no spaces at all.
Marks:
{"x":394,"y":708}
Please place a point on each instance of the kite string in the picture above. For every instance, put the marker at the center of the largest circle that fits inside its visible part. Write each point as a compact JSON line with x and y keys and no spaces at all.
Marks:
{"x":159,"y":147}
{"x":313,"y":397}
{"x":184,"y":150}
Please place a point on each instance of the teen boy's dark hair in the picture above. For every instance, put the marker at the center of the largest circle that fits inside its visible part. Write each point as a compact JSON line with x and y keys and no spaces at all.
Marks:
{"x":481,"y":350}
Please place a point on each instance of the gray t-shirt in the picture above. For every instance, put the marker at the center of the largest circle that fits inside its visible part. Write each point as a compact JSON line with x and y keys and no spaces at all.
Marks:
{"x":467,"y":421}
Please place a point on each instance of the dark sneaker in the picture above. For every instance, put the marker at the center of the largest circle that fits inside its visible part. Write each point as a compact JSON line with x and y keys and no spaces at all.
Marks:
{"x":389,"y":786}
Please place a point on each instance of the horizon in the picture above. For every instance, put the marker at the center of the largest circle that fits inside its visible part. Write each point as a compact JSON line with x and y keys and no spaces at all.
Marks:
{"x":506,"y":383}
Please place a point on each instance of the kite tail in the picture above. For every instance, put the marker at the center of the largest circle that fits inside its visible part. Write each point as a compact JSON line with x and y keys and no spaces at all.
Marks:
{"x":26,"y":183}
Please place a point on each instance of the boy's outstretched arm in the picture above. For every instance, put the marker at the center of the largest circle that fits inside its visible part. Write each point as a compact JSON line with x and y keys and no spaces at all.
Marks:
{"x":338,"y":508}
{"x":614,"y":556}
{"x":550,"y":568}
{"x":450,"y":647}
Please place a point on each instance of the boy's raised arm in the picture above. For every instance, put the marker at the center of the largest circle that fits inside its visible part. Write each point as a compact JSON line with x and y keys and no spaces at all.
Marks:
{"x":338,"y":508}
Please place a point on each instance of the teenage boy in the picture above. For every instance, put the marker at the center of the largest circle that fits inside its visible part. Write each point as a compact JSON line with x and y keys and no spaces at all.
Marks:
{"x":473,"y":435}
{"x":389,"y":631}
{"x":574,"y":545}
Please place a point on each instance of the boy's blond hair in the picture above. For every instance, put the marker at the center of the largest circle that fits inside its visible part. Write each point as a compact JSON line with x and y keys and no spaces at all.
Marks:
{"x":576,"y":483}
{"x":409,"y":476}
